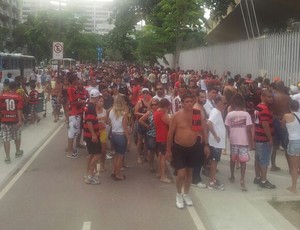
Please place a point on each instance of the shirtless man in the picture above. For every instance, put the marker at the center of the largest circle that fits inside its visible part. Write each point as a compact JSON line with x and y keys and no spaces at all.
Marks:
{"x":229,"y":90}
{"x":185,"y":143}
{"x":279,"y":108}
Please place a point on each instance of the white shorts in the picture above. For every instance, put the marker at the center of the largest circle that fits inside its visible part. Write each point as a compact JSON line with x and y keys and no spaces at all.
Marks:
{"x":74,"y":126}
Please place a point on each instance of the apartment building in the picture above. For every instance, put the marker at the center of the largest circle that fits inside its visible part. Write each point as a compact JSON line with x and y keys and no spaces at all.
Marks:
{"x":10,"y":14}
{"x":97,"y":14}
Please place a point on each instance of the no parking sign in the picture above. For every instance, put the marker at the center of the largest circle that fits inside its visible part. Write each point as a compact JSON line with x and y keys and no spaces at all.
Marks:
{"x":58,"y":50}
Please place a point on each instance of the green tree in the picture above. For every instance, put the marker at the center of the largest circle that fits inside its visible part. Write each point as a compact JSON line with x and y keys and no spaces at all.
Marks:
{"x":218,"y":7}
{"x":175,"y":19}
{"x":39,"y":32}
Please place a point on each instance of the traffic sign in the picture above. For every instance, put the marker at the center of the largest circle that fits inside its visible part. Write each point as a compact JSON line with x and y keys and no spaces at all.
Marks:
{"x":58,"y":50}
{"x":99,"y":53}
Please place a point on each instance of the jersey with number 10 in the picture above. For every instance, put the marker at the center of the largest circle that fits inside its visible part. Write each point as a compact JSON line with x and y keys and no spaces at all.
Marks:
{"x":10,"y":103}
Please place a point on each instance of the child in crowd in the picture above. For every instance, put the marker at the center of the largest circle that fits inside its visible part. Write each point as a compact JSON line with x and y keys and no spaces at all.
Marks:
{"x":216,"y":139}
{"x":33,"y":100}
{"x":238,"y":123}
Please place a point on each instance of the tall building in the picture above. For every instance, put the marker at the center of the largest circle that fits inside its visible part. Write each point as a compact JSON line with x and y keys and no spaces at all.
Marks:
{"x":96,"y":12}
{"x":10,"y":14}
{"x":31,"y":7}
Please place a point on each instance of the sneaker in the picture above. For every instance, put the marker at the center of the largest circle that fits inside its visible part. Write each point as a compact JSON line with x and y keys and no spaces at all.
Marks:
{"x":91,"y":180}
{"x":219,"y":183}
{"x":214,"y":186}
{"x":73,"y":155}
{"x":256,"y":180}
{"x":267,"y":184}
{"x":179,"y":201}
{"x":166,"y":180}
{"x":108,"y":157}
{"x":199,"y":185}
{"x":19,"y":153}
{"x":7,"y":160}
{"x":187,"y":200}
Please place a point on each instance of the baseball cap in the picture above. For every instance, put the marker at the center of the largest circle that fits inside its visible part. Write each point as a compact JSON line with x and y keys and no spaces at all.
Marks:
{"x":145,"y":89}
{"x":276,"y":79}
{"x":294,"y":89}
{"x":95,"y":93}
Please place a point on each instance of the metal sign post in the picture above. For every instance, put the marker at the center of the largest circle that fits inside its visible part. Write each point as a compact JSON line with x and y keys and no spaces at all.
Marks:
{"x":58,"y":54}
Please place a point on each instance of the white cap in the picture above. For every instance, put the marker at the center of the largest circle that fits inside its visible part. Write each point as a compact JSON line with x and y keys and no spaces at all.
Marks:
{"x":294,"y":89}
{"x":95,"y":93}
{"x":145,"y":89}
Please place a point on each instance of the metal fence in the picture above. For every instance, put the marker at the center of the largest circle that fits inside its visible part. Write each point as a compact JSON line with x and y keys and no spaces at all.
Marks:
{"x":272,"y":56}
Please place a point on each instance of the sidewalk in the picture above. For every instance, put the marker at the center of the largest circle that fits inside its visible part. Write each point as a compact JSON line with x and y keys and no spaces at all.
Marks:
{"x":234,"y":209}
{"x":33,"y":136}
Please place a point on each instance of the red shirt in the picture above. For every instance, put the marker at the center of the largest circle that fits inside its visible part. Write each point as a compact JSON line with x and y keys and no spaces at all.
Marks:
{"x":262,"y":113}
{"x":90,"y":115}
{"x":83,"y":95}
{"x":135,"y":94}
{"x":10,"y":103}
{"x":33,"y":97}
{"x":73,"y":97}
{"x":161,"y":128}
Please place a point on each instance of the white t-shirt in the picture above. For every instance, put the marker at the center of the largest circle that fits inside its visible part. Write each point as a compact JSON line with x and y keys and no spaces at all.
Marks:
{"x":89,"y":88}
{"x":164,"y":79}
{"x":116,"y":123}
{"x":215,"y":117}
{"x":208,"y":106}
{"x":166,"y":96}
{"x":176,"y":104}
{"x":238,"y":121}
{"x":297,"y":98}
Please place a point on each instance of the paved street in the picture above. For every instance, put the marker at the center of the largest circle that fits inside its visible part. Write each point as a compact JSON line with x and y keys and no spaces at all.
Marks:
{"x":46,"y":190}
{"x":51,"y":194}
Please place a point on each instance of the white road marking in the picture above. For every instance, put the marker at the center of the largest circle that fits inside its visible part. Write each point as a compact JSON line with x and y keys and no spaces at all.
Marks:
{"x":86,"y":225}
{"x":28,"y":163}
{"x":199,"y":224}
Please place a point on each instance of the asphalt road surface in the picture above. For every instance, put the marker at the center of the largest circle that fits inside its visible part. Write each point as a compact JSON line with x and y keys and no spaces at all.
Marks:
{"x":51,"y":195}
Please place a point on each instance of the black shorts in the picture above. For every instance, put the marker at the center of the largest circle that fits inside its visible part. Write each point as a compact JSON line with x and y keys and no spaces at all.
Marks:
{"x":186,"y":157}
{"x":92,"y":147}
{"x":161,"y":147}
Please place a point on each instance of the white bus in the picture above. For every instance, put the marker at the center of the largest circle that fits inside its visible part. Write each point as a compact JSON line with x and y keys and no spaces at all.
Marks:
{"x":17,"y":65}
{"x":64,"y":63}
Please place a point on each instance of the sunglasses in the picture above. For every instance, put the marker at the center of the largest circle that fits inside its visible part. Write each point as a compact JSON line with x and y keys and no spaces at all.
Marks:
{"x":159,"y":88}
{"x":153,"y":104}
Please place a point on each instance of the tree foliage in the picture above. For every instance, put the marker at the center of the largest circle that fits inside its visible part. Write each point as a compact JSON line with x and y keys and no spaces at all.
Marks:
{"x":168,"y":24}
{"x":218,"y":7}
{"x":39,"y":32}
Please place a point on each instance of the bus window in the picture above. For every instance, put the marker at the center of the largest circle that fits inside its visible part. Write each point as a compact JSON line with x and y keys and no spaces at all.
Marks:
{"x":5,"y":63}
{"x":15,"y":64}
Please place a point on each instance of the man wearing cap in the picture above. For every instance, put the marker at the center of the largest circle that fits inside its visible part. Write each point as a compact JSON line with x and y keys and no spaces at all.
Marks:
{"x":91,"y":136}
{"x":139,"y":110}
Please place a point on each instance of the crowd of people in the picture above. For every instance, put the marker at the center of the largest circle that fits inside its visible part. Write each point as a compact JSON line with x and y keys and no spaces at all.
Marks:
{"x":185,"y":117}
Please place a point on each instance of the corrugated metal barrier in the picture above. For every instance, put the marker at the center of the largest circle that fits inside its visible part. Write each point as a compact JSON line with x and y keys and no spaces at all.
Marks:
{"x":273,"y":56}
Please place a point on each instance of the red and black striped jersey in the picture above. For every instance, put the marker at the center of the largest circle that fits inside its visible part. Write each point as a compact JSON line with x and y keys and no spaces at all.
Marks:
{"x":262,"y":113}
{"x":10,"y":103}
{"x":90,"y":115}
{"x":33,"y":98}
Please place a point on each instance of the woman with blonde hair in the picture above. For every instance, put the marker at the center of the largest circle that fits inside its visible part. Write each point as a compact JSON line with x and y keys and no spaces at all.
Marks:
{"x":119,"y":134}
